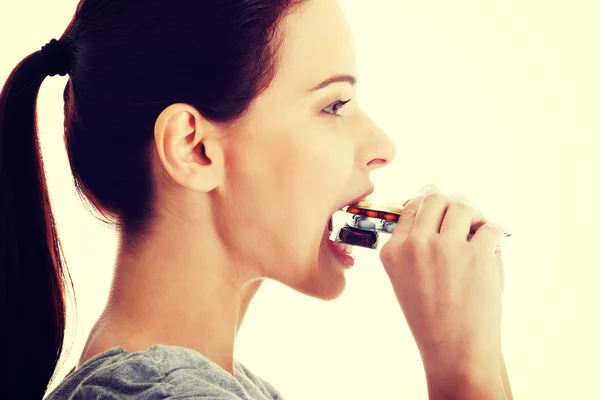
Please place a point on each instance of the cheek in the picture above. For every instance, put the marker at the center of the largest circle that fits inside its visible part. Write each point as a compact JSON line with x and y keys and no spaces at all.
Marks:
{"x":314,"y":190}
{"x":295,"y":181}
{"x":317,"y":169}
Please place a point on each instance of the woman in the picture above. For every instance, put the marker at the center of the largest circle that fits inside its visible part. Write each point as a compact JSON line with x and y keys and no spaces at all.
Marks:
{"x":198,"y":128}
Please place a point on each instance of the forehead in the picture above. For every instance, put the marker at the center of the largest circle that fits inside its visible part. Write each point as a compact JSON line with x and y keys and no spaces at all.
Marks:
{"x":318,"y":43}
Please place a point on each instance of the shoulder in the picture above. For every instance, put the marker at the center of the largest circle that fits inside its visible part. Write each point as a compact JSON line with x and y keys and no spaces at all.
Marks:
{"x":160,"y":372}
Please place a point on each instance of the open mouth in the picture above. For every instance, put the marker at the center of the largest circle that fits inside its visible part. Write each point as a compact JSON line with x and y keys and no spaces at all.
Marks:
{"x":335,"y":221}
{"x":342,"y":250}
{"x":340,"y":210}
{"x":336,"y":243}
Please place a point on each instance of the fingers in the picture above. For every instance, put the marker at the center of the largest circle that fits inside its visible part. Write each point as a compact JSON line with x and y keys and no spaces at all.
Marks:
{"x":488,"y":236}
{"x":446,"y":215}
{"x":404,"y":225}
{"x":461,"y":213}
{"x":500,"y":265}
{"x":430,"y":214}
{"x":424,"y":215}
{"x":412,"y":207}
{"x":458,"y":219}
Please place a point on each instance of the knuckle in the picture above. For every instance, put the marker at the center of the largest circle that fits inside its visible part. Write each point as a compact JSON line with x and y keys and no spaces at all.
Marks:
{"x":416,"y":246}
{"x":414,"y":240}
{"x":488,"y":227}
{"x":408,"y":212}
{"x":449,"y":242}
{"x":492,"y":226}
{"x":435,"y":197}
{"x":452,"y":248}
{"x":387,"y":253}
{"x":461,"y":207}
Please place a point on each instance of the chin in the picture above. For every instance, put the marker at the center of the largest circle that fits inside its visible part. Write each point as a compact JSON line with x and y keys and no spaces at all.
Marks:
{"x":326,"y":281}
{"x":329,"y":295}
{"x":321,"y":278}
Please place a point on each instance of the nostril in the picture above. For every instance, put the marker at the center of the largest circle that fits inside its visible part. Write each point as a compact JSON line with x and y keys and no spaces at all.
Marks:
{"x":378,"y":162}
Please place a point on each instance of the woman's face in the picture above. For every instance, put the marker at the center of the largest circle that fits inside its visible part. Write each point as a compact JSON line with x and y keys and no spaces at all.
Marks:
{"x":296,"y":157}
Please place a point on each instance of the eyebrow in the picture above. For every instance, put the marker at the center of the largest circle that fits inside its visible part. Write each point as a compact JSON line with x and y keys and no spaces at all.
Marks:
{"x":335,"y":78}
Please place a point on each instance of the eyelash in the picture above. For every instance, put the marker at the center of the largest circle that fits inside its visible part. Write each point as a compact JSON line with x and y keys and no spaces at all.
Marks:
{"x":338,"y":104}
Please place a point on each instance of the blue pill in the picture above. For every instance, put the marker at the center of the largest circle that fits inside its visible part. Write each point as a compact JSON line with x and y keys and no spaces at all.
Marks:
{"x":364,"y":224}
{"x":389,"y":227}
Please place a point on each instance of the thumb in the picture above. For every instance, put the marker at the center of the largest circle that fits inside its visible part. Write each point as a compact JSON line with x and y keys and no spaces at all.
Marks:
{"x":403,"y":226}
{"x":390,"y":250}
{"x":407,"y":216}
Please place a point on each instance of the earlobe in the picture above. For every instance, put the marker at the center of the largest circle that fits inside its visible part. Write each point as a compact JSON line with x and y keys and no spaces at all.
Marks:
{"x":205,"y":166}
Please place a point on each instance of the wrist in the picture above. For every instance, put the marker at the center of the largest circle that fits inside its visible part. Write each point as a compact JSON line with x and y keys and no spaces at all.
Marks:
{"x":465,"y":384}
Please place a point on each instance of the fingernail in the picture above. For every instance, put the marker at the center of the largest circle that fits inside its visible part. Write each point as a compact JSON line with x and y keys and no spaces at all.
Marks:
{"x":407,"y":213}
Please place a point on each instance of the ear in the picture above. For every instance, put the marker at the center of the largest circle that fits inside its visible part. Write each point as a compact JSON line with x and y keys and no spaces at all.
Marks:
{"x":188,"y":149}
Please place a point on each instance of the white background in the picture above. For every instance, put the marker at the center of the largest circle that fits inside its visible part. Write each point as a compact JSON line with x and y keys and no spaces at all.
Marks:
{"x":498,"y":101}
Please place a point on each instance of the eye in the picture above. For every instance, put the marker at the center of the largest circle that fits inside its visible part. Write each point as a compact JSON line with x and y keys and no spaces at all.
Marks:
{"x":335,"y":107}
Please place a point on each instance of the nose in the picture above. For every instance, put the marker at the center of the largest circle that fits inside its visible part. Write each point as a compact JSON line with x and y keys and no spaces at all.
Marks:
{"x":375,"y":149}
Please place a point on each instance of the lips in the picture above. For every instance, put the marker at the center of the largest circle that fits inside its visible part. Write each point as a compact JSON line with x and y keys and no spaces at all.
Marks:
{"x":361,"y":197}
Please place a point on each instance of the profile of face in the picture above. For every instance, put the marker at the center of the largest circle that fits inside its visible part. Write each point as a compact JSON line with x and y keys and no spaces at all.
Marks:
{"x":266,"y":186}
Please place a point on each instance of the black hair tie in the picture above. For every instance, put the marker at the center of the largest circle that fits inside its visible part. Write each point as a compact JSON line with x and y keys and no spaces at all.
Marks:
{"x":56,"y":57}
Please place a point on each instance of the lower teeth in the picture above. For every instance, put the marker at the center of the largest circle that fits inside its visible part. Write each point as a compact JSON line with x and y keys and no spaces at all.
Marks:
{"x":346,"y":248}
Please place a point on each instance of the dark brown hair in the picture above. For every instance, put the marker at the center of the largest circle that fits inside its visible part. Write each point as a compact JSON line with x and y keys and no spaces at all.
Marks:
{"x":131,"y":60}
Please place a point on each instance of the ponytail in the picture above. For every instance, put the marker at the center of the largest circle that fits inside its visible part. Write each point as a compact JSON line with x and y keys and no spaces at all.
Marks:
{"x":126,"y":64}
{"x":32,"y":276}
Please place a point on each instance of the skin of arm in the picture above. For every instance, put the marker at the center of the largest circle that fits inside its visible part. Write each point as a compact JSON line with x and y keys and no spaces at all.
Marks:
{"x":505,"y":382}
{"x":452,"y":385}
{"x":254,"y":286}
{"x":472,"y":382}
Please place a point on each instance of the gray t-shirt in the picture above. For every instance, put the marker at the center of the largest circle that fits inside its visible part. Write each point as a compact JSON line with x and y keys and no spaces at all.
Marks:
{"x":160,"y":372}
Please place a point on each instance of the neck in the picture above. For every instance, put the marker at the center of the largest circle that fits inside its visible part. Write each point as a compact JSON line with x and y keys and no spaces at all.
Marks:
{"x":176,"y":291}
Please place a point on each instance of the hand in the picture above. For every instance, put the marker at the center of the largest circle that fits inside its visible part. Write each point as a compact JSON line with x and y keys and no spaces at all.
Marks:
{"x":448,"y":288}
{"x":476,"y":224}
